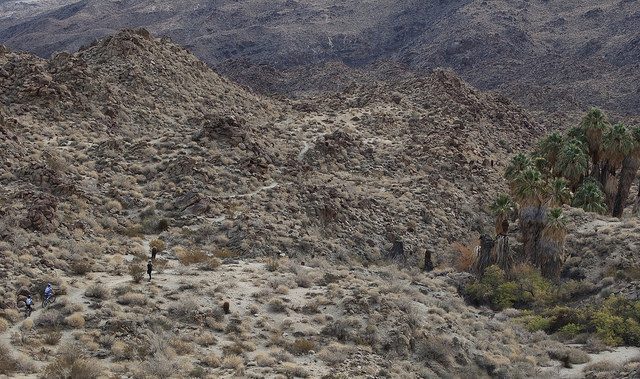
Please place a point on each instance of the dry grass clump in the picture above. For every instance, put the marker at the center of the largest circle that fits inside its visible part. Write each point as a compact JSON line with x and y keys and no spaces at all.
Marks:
{"x":277,"y":305}
{"x":11,"y":315}
{"x":72,"y":363}
{"x":184,"y":308}
{"x":233,"y":362}
{"x":180,"y":346}
{"x":76,"y":320}
{"x":264,"y":360}
{"x":206,"y":339}
{"x":49,"y":318}
{"x":335,"y":353}
{"x":97,"y":291}
{"x":292,"y":370}
{"x":51,"y":336}
{"x":211,"y":360}
{"x":602,"y":366}
{"x":7,"y":363}
{"x":4,"y":325}
{"x":301,"y":346}
{"x":132,"y":298}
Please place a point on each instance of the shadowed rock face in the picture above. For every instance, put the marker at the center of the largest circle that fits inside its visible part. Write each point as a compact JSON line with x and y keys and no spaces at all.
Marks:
{"x":547,"y":55}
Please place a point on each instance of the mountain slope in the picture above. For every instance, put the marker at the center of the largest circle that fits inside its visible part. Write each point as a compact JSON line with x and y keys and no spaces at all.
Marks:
{"x":547,"y":55}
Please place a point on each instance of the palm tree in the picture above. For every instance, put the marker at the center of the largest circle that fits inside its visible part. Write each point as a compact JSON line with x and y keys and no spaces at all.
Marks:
{"x":518,"y":163}
{"x":551,"y":253}
{"x":590,"y":196}
{"x":594,"y":124}
{"x":549,"y":147}
{"x":630,"y":166}
{"x":559,"y":192}
{"x":572,"y":162}
{"x":529,"y":191}
{"x":502,"y":208}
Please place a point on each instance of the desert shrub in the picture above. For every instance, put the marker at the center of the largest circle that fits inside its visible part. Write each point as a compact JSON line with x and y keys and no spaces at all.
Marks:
{"x":198,"y":372}
{"x":301,"y":346}
{"x":71,"y":363}
{"x":75,"y":320}
{"x":137,"y":271}
{"x":277,"y":305}
{"x":189,"y":257}
{"x":7,"y":363}
{"x":181,"y":347}
{"x":51,"y":336}
{"x":97,"y":291}
{"x":304,"y":280}
{"x":463,"y":256}
{"x":131,"y":298}
{"x":224,"y":253}
{"x":264,"y":360}
{"x":11,"y":315}
{"x":81,"y":266}
{"x":211,"y":360}
{"x":233,"y":362}
{"x":292,"y":370}
{"x":335,"y":353}
{"x":4,"y":325}
{"x":184,"y":308}
{"x":122,"y":351}
{"x":49,"y":318}
{"x":529,"y":289}
{"x":210,"y":264}
{"x":271,"y":264}
{"x":157,"y":244}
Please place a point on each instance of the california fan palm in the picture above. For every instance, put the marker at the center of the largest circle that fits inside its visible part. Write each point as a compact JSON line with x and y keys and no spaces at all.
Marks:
{"x":630,"y":165}
{"x":551,"y":253}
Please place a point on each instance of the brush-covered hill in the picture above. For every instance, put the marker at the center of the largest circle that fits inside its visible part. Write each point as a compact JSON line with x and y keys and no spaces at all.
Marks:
{"x":549,"y":55}
{"x":285,"y":209}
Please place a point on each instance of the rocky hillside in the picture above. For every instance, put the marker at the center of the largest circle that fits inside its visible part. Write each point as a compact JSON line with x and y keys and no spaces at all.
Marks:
{"x":133,"y":141}
{"x":131,"y":130}
{"x":549,"y":55}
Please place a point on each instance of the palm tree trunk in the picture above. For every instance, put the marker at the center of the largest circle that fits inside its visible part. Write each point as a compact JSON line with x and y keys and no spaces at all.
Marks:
{"x":531,"y":225}
{"x":630,"y":166}
{"x":610,"y":190}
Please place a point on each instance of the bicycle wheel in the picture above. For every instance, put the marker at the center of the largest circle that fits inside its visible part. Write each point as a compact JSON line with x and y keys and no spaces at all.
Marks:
{"x":45,"y":302}
{"x":52,"y":299}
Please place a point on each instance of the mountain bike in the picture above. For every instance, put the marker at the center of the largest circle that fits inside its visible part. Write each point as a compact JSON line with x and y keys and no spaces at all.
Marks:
{"x":49,"y":300}
{"x":27,"y":312}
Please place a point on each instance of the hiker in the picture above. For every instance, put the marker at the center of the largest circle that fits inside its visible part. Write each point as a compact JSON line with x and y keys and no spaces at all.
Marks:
{"x":149,"y":269}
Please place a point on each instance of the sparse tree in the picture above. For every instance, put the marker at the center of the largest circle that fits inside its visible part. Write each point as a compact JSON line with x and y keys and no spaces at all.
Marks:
{"x":573,"y":162}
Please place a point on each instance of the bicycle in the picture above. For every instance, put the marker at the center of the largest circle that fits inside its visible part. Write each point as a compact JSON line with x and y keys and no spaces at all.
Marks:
{"x":49,"y":300}
{"x":27,"y":312}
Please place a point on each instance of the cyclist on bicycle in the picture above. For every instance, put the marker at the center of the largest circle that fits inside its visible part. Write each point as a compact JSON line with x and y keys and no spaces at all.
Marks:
{"x":48,"y":291}
{"x":29,"y":302}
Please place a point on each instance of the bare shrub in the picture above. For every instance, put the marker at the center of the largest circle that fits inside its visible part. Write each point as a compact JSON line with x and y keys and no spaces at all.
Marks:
{"x":604,"y":365}
{"x":280,"y":355}
{"x":97,"y":291}
{"x":4,"y":325}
